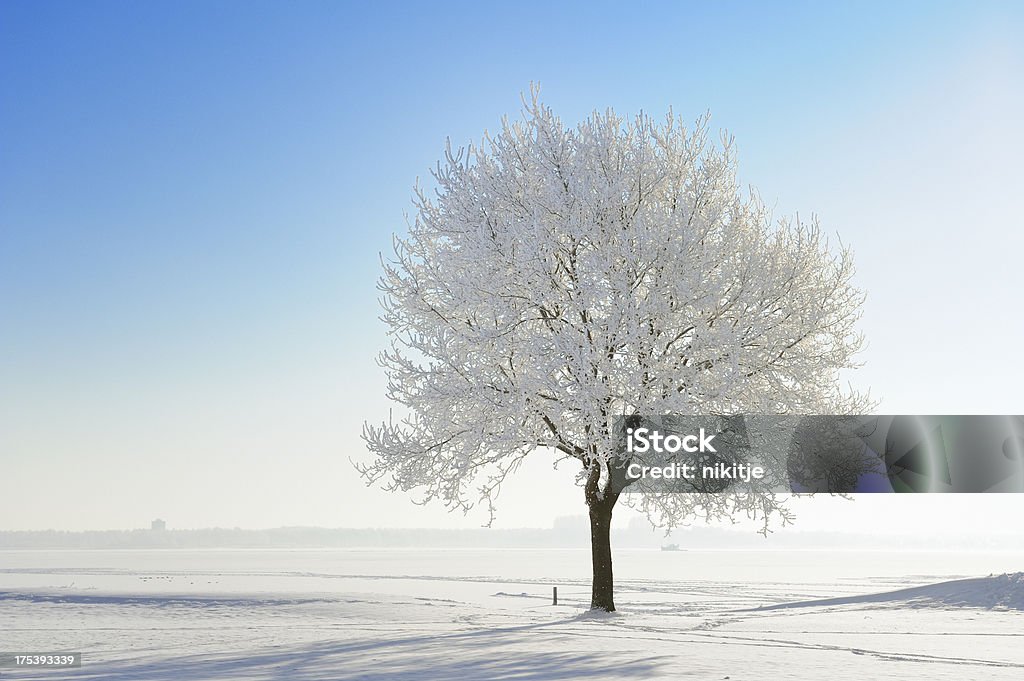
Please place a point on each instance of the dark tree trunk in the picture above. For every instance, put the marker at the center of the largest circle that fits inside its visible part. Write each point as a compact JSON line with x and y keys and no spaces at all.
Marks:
{"x":602,"y":595}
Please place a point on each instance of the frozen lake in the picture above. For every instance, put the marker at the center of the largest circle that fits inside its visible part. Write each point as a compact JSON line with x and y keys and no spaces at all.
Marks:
{"x":487,"y":614}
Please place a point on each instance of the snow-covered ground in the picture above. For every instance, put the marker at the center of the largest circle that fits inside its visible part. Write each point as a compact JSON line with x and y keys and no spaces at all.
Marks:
{"x":487,"y":614}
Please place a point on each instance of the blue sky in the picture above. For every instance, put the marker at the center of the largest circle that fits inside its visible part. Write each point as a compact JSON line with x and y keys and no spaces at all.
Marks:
{"x":193,"y":197}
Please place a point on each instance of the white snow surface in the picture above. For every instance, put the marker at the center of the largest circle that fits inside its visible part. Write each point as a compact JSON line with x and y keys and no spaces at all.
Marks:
{"x":315,"y":615}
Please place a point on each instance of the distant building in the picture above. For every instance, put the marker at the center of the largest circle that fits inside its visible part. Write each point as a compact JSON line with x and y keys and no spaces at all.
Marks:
{"x":158,"y":525}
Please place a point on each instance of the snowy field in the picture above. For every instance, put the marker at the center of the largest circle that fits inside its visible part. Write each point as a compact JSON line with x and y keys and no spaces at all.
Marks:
{"x":309,"y":615}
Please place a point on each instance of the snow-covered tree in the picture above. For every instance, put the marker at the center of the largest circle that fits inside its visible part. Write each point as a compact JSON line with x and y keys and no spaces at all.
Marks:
{"x":560,"y":277}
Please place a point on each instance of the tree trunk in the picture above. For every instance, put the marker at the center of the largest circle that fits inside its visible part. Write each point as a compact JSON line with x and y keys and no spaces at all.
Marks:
{"x":602,"y":592}
{"x":600,"y":504}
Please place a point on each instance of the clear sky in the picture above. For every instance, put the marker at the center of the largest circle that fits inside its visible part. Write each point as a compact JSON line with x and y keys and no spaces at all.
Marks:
{"x":193,"y":197}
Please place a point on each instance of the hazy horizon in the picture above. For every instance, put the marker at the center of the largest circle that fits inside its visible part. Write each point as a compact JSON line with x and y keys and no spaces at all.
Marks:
{"x":889,"y":515}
